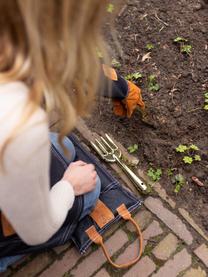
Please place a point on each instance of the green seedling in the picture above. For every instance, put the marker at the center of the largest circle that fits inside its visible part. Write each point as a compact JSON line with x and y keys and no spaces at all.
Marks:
{"x":206,"y":101}
{"x":170,"y":171}
{"x":188,"y":160}
{"x":190,"y":150}
{"x":179,"y":182}
{"x":115,"y":63}
{"x":152,"y":83}
{"x":181,"y":148}
{"x":133,"y":76}
{"x":149,"y":46}
{"x":197,"y":158}
{"x":180,"y":40}
{"x":154,"y":174}
{"x":186,"y":49}
{"x":110,"y":8}
{"x":133,"y":148}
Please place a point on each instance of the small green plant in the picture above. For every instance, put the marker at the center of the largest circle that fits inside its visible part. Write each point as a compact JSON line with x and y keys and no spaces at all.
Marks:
{"x":206,"y":101}
{"x":133,"y":76}
{"x":154,"y":174}
{"x":185,"y":48}
{"x":188,"y":160}
{"x":149,"y":46}
{"x":152,"y":83}
{"x":181,"y":148}
{"x":170,"y":171}
{"x":115,"y":63}
{"x":179,"y":182}
{"x":132,"y":148}
{"x":110,"y":8}
{"x":190,"y":152}
{"x":180,"y":39}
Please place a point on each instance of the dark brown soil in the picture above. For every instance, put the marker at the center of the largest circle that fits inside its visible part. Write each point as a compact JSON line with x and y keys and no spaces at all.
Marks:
{"x":177,"y":108}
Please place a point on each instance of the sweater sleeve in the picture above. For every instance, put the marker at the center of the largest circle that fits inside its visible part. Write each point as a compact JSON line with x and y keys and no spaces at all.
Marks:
{"x":35,"y":211}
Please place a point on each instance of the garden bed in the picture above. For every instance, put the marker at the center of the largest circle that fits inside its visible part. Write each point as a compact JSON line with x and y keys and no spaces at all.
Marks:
{"x":176,"y":105}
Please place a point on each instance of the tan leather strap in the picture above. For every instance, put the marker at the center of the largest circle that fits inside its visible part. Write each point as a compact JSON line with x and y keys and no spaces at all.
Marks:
{"x":7,"y":228}
{"x":97,"y":238}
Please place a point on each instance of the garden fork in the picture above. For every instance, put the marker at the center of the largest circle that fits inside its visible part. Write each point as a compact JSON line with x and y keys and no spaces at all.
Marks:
{"x":109,"y":151}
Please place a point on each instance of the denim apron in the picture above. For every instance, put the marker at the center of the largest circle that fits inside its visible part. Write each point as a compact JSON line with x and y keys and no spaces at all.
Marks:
{"x":112,"y":194}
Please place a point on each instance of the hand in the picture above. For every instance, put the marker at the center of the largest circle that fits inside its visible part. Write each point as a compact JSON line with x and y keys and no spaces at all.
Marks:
{"x":81,"y":176}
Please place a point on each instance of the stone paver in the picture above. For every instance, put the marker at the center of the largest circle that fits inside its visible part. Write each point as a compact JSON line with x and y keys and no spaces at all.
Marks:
{"x":96,"y":259}
{"x":59,"y":267}
{"x":143,"y":218}
{"x":190,"y":220}
{"x":143,"y":268}
{"x":195,"y":272}
{"x":166,"y":247}
{"x":170,"y":219}
{"x":102,"y":273}
{"x":173,"y":267}
{"x":35,"y":266}
{"x":133,"y":249}
{"x":202,"y":253}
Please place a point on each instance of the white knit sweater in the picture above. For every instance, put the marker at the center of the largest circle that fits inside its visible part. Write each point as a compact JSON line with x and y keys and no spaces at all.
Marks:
{"x":35,"y":211}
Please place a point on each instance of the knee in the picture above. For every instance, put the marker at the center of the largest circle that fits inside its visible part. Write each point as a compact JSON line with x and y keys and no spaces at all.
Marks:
{"x":70,"y":147}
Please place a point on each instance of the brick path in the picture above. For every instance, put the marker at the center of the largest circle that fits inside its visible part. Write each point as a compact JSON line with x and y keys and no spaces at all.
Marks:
{"x":173,"y":246}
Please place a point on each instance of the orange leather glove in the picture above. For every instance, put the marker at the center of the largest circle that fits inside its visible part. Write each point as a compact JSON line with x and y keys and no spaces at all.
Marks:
{"x":133,"y":100}
{"x":129,"y":96}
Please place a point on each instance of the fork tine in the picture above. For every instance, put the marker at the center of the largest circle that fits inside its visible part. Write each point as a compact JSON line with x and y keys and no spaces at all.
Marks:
{"x":107,"y":144}
{"x":101,"y":146}
{"x":111,"y":141}
{"x":97,"y":149}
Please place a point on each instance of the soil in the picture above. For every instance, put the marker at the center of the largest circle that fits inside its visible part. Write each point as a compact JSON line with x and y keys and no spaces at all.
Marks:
{"x":177,"y":108}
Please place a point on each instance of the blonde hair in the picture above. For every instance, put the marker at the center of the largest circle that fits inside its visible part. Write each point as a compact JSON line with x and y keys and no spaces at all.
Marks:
{"x":51,"y":46}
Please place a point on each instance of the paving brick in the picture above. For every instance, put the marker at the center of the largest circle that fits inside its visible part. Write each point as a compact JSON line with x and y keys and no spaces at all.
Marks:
{"x":166,"y":247}
{"x":180,"y":262}
{"x":59,"y":267}
{"x":143,"y":268}
{"x":202,"y":253}
{"x":193,"y":224}
{"x":195,"y":272}
{"x":143,"y":218}
{"x":171,"y":220}
{"x":102,"y":273}
{"x":35,"y":266}
{"x":133,"y":249}
{"x":62,"y":248}
{"x":96,"y":259}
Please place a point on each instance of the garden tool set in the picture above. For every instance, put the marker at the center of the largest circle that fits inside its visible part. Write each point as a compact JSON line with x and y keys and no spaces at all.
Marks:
{"x":109,"y":152}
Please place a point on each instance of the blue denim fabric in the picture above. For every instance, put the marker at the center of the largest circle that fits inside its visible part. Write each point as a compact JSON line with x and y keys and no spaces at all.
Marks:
{"x":89,"y":198}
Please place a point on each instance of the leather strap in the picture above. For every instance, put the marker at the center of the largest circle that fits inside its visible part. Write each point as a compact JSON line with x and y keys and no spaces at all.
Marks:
{"x":97,"y":238}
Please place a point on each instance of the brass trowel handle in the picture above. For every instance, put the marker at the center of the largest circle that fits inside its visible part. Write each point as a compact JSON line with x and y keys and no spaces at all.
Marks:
{"x":134,"y":178}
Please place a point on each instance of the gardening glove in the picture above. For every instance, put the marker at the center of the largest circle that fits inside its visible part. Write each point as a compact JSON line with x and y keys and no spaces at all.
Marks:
{"x":126,"y":95}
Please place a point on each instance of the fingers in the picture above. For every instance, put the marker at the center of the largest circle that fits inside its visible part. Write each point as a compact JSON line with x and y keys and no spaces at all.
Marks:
{"x":79,"y":163}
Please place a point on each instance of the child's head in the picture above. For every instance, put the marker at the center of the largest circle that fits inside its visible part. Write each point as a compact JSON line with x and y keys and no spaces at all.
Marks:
{"x":51,"y":46}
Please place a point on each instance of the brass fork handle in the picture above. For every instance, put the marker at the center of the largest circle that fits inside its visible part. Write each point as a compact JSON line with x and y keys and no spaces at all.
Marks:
{"x":134,"y":178}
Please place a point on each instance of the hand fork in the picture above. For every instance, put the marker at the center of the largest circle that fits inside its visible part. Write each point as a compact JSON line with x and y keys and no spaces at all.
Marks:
{"x":109,"y":151}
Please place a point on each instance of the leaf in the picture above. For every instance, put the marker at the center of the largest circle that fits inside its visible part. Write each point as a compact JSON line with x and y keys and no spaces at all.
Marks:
{"x":186,"y":49}
{"x":133,"y":148}
{"x":149,"y":46}
{"x":155,"y":175}
{"x":193,"y":147}
{"x":181,"y":148}
{"x":155,"y":87}
{"x":180,"y":39}
{"x":197,"y":158}
{"x":115,"y":63}
{"x":146,"y":57}
{"x":187,"y":160}
{"x":206,"y":107}
{"x":206,"y":95}
{"x":110,"y":8}
{"x":133,"y":76}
